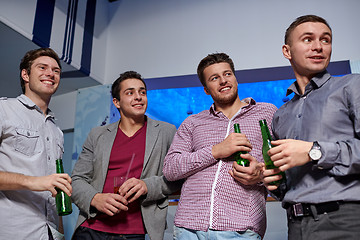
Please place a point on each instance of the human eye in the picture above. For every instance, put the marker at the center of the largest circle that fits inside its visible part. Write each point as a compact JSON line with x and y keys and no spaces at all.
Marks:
{"x":214,"y":78}
{"x":42,"y":67}
{"x":57,"y":71}
{"x":306,"y":40}
{"x":326,"y":40}
{"x":143,"y":92}
{"x":128,"y":93}
{"x":228,"y":74}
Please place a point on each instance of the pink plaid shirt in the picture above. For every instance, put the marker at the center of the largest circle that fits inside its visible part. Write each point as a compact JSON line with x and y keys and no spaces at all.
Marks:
{"x":210,"y":197}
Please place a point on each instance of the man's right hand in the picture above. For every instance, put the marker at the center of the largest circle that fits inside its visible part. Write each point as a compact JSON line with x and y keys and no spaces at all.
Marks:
{"x":270,"y":175}
{"x":233,"y":143}
{"x":17,"y":181}
{"x":109,"y":203}
{"x":50,"y":182}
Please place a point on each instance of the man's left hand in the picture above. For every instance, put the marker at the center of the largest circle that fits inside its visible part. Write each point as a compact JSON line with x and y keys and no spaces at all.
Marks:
{"x":133,"y":188}
{"x":247,"y":175}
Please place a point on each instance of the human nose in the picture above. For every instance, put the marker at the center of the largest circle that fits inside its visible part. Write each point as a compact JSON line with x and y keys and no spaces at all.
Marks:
{"x":138,"y":96}
{"x":49,"y":72}
{"x":316,"y":46}
{"x":222,"y":80}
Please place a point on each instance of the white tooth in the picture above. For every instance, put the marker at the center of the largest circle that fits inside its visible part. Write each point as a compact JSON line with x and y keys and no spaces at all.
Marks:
{"x":48,"y":82}
{"x":224,"y":89}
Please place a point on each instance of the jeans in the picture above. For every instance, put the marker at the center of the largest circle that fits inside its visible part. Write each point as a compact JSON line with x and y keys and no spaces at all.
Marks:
{"x":188,"y":234}
{"x":83,"y":233}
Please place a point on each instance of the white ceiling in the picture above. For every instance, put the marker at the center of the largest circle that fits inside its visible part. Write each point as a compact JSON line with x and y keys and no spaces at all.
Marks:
{"x":13,"y":48}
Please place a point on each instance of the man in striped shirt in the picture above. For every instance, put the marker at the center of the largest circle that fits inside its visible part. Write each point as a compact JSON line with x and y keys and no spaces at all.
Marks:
{"x":219,"y":198}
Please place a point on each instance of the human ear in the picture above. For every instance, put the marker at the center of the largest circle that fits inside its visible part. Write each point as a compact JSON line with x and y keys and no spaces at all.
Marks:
{"x":286,"y":51}
{"x":116,"y":103}
{"x":206,"y":91}
{"x":25,"y":75}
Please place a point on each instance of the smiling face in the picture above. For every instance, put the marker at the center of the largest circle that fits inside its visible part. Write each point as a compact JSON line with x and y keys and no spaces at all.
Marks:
{"x":221,"y":84}
{"x":309,"y":49}
{"x":43,"y":79}
{"x":133,"y":99}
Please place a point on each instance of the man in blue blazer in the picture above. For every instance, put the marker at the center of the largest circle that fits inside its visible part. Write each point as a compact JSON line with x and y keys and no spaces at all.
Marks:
{"x":133,"y":148}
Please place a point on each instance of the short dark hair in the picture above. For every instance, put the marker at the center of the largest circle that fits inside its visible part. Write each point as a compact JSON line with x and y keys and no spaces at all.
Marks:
{"x":210,"y":60}
{"x":31,"y":56}
{"x":115,"y":88}
{"x":300,"y":20}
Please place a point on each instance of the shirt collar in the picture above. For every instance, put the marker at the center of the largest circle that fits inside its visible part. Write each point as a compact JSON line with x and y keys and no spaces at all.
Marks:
{"x":250,"y":102}
{"x":30,"y":104}
{"x":317,"y":81}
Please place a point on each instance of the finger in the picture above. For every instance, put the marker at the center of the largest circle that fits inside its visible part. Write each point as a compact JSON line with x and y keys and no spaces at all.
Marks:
{"x":64,"y":186}
{"x":136,"y":196}
{"x":121,"y":203}
{"x":53,"y":192}
{"x":271,"y":187}
{"x":279,"y":142}
{"x":272,"y":178}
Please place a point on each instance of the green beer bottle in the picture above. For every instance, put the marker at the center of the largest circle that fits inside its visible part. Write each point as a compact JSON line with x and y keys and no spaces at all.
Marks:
{"x":266,"y":136}
{"x":238,"y":159}
{"x":63,"y":201}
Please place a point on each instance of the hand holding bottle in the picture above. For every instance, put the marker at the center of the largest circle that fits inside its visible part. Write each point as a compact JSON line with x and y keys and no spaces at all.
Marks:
{"x":269,"y":164}
{"x":289,"y":153}
{"x":247,"y":175}
{"x":233,"y":143}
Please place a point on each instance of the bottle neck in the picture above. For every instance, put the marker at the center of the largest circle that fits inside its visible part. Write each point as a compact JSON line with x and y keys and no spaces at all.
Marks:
{"x":59,"y":166}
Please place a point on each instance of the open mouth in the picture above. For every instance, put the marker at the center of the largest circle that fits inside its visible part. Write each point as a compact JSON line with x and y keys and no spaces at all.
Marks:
{"x":138,"y":105}
{"x":224,"y":89}
{"x":48,"y":82}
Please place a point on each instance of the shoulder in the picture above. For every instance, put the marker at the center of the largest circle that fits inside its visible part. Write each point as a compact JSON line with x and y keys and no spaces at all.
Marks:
{"x":265,"y":108}
{"x":348,"y":79}
{"x":99,"y":130}
{"x":161,"y":124}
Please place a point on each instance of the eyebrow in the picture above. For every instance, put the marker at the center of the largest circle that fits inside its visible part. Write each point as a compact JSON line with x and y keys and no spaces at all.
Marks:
{"x":226,"y":71}
{"x":311,"y":33}
{"x":45,"y":64}
{"x":132,"y":88}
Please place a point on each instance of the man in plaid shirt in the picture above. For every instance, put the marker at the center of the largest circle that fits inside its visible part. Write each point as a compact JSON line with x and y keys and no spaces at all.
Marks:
{"x":219,"y":198}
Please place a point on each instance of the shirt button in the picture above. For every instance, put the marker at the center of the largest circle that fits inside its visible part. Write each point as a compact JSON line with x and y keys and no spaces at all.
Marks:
{"x":47,"y":138}
{"x":299,"y":115}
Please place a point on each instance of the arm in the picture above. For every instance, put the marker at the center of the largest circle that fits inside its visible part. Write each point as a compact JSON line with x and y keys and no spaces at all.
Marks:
{"x":247,"y":175}
{"x":183,"y":161}
{"x":341,"y":153}
{"x":17,"y":181}
{"x":153,"y":185}
{"x":86,"y":196}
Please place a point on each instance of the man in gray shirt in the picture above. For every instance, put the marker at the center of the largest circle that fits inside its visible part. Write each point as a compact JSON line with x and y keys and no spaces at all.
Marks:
{"x":319,"y":146}
{"x":30,"y":143}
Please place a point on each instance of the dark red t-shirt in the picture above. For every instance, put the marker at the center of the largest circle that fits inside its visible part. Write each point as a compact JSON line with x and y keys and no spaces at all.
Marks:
{"x":123,"y":149}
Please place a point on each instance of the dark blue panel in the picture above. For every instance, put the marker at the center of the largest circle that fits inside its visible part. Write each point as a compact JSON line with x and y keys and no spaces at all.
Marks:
{"x":243,"y":76}
{"x":88,"y":37}
{"x":43,"y":22}
{"x":70,"y":31}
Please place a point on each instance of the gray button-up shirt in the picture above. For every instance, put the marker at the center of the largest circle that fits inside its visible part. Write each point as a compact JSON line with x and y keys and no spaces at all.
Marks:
{"x":328,"y":112}
{"x":30,"y":144}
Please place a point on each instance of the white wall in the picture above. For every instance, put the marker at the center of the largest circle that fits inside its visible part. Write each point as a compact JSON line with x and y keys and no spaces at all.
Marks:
{"x":168,"y":37}
{"x":160,"y":38}
{"x":64,"y":108}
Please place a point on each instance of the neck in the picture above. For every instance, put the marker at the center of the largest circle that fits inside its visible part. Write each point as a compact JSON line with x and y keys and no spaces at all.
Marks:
{"x":130,"y":126}
{"x":41,"y":102}
{"x":229,"y":110}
